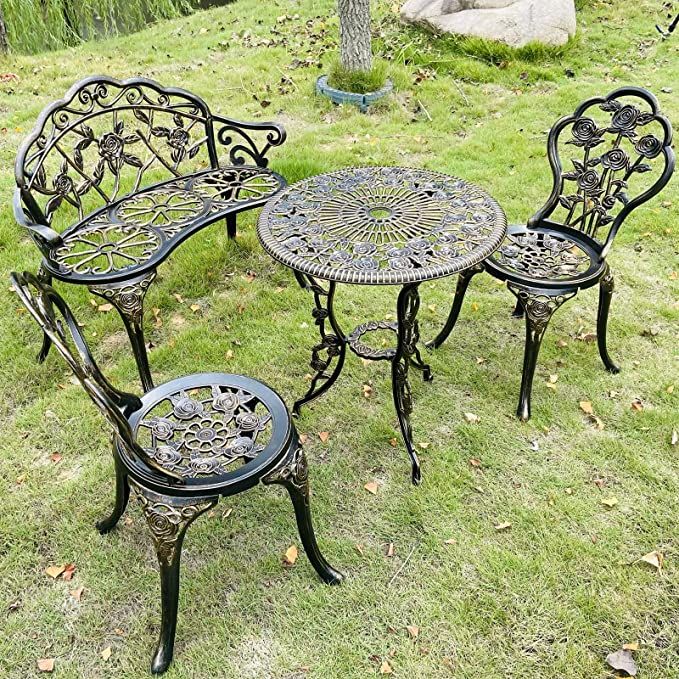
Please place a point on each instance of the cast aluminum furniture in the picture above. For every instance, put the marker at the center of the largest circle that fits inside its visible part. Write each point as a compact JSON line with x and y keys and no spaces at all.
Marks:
{"x":620,"y":156}
{"x":117,"y":174}
{"x":182,"y":446}
{"x":378,"y":226}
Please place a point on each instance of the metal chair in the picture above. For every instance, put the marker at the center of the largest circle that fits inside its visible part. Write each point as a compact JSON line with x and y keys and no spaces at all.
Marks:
{"x":182,"y":446}
{"x":117,"y":174}
{"x":563,"y":247}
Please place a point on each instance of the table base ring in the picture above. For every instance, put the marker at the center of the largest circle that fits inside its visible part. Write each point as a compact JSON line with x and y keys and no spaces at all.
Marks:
{"x":370,"y":353}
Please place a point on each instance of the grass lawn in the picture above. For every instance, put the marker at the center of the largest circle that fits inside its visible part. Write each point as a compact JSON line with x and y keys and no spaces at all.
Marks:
{"x":548,"y":598}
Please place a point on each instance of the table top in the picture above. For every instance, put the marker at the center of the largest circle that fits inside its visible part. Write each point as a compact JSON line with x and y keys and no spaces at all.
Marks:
{"x":381,"y":225}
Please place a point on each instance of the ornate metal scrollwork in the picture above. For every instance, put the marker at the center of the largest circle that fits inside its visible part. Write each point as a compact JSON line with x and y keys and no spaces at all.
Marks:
{"x":292,"y":470}
{"x":542,"y":255}
{"x":128,"y":297}
{"x":539,"y":305}
{"x":365,"y":351}
{"x":607,"y":281}
{"x":169,"y":517}
{"x":380,"y":225}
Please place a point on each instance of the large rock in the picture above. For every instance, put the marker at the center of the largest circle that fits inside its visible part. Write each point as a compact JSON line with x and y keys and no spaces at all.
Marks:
{"x":515,"y":22}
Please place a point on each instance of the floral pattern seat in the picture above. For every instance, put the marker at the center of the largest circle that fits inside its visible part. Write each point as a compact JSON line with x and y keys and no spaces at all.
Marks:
{"x":133,"y":234}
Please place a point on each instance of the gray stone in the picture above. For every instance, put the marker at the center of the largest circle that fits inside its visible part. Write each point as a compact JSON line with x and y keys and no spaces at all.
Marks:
{"x":515,"y":22}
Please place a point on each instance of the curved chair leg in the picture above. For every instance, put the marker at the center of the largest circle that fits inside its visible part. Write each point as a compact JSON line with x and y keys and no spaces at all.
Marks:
{"x":606,"y":287}
{"x":518,"y":309}
{"x":293,"y":473}
{"x":44,"y":277}
{"x":301,"y":281}
{"x":460,"y":290}
{"x":231,"y":225}
{"x":168,"y":518}
{"x":122,"y":497}
{"x":128,"y":299}
{"x":539,"y":306}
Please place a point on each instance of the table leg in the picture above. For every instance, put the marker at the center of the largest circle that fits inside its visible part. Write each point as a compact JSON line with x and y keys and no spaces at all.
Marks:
{"x":407,"y":354}
{"x":332,"y":346}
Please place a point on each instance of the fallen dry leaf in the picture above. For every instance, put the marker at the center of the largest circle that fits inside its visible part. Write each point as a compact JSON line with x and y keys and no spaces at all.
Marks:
{"x":77,"y":593}
{"x":106,"y":653}
{"x":637,"y":404}
{"x":609,"y":502}
{"x":424,"y":445}
{"x":367,"y":390}
{"x":631,"y":647}
{"x":623,"y":662}
{"x":324,"y":436}
{"x":371,"y":487}
{"x":178,"y":297}
{"x":385,"y":668}
{"x":480,"y":360}
{"x":303,"y":438}
{"x":69,"y":569}
{"x":474,"y":462}
{"x":105,"y":307}
{"x":450,"y":541}
{"x":475,"y":306}
{"x":46,"y":665}
{"x":472,"y":418}
{"x":674,"y":439}
{"x":393,"y":443}
{"x":390,"y":550}
{"x":413,"y":631}
{"x":55,"y":571}
{"x":654,"y":559}
{"x":586,"y":407}
{"x":290,"y":555}
{"x":55,"y":457}
{"x":359,"y":549}
{"x":506,"y":525}
{"x":670,"y":389}
{"x":195,"y":308}
{"x":561,"y":344}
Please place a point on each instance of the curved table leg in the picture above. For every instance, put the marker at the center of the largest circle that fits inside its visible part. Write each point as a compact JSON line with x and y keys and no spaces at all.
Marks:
{"x":332,"y":346}
{"x":408,"y":336}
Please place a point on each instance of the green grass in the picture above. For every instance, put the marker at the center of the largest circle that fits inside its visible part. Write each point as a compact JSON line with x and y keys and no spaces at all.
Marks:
{"x":548,"y":599}
{"x":360,"y":82}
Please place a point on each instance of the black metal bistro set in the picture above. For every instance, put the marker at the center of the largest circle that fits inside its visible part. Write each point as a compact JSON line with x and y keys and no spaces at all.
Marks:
{"x":117,"y":174}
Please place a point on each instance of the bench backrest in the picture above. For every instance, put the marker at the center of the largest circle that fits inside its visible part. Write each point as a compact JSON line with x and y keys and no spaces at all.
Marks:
{"x":107,"y":138}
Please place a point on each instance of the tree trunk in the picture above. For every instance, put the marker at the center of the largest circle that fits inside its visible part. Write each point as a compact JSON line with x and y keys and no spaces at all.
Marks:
{"x":4,"y":44}
{"x":354,"y":16}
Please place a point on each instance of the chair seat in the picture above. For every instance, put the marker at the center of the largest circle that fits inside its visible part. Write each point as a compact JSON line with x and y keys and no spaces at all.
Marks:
{"x":542,"y":256}
{"x":133,"y":235}
{"x":219,"y":432}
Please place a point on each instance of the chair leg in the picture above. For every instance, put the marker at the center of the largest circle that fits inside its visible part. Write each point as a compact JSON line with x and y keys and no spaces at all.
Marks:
{"x":460,"y":290}
{"x":518,"y":310}
{"x":606,"y":287}
{"x":122,"y":497}
{"x":44,"y":277}
{"x":128,"y":299}
{"x":168,"y":518}
{"x":293,"y":473}
{"x":539,"y":306}
{"x":231,"y":225}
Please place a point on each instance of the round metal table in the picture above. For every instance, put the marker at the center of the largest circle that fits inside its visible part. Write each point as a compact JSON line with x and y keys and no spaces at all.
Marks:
{"x":378,"y":226}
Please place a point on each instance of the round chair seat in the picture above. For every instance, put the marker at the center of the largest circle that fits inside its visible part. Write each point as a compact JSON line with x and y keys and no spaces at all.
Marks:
{"x":218,"y":432}
{"x":546,"y":257}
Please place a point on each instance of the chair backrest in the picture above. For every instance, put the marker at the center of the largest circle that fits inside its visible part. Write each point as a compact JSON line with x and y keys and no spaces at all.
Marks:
{"x":55,"y":319}
{"x":611,"y":155}
{"x":107,"y":138}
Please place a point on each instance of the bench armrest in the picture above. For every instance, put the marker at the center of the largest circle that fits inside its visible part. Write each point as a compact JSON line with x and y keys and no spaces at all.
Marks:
{"x":44,"y":236}
{"x":247,"y":140}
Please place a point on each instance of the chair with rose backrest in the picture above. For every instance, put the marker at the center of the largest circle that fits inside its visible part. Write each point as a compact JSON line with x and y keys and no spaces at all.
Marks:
{"x":621,"y":156}
{"x":117,"y":174}
{"x":181,"y":446}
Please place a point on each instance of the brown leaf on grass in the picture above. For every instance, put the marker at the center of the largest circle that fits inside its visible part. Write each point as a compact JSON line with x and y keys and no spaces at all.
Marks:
{"x":55,"y":457}
{"x":367,"y":390}
{"x":390,"y":550}
{"x":424,"y":445}
{"x":450,"y":541}
{"x":371,"y":487}
{"x":55,"y":571}
{"x":670,"y":389}
{"x":480,"y":360}
{"x":290,"y":555}
{"x":46,"y":665}
{"x":586,"y":337}
{"x":674,"y":439}
{"x":393,"y":443}
{"x":586,"y":407}
{"x":474,"y":462}
{"x":324,"y":436}
{"x":195,"y":308}
{"x":178,"y":297}
{"x":631,"y":647}
{"x":561,"y":344}
{"x":609,"y":502}
{"x":622,"y":661}
{"x":69,"y":570}
{"x":597,"y":422}
{"x":637,"y":405}
{"x":413,"y":631}
{"x":506,"y":525}
{"x":105,"y":308}
{"x":359,"y":549}
{"x":106,"y":653}
{"x":303,"y":438}
{"x":157,"y":320}
{"x":77,"y":593}
{"x":474,"y":306}
{"x":386,"y":668}
{"x":654,"y":559}
{"x":472,"y":418}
